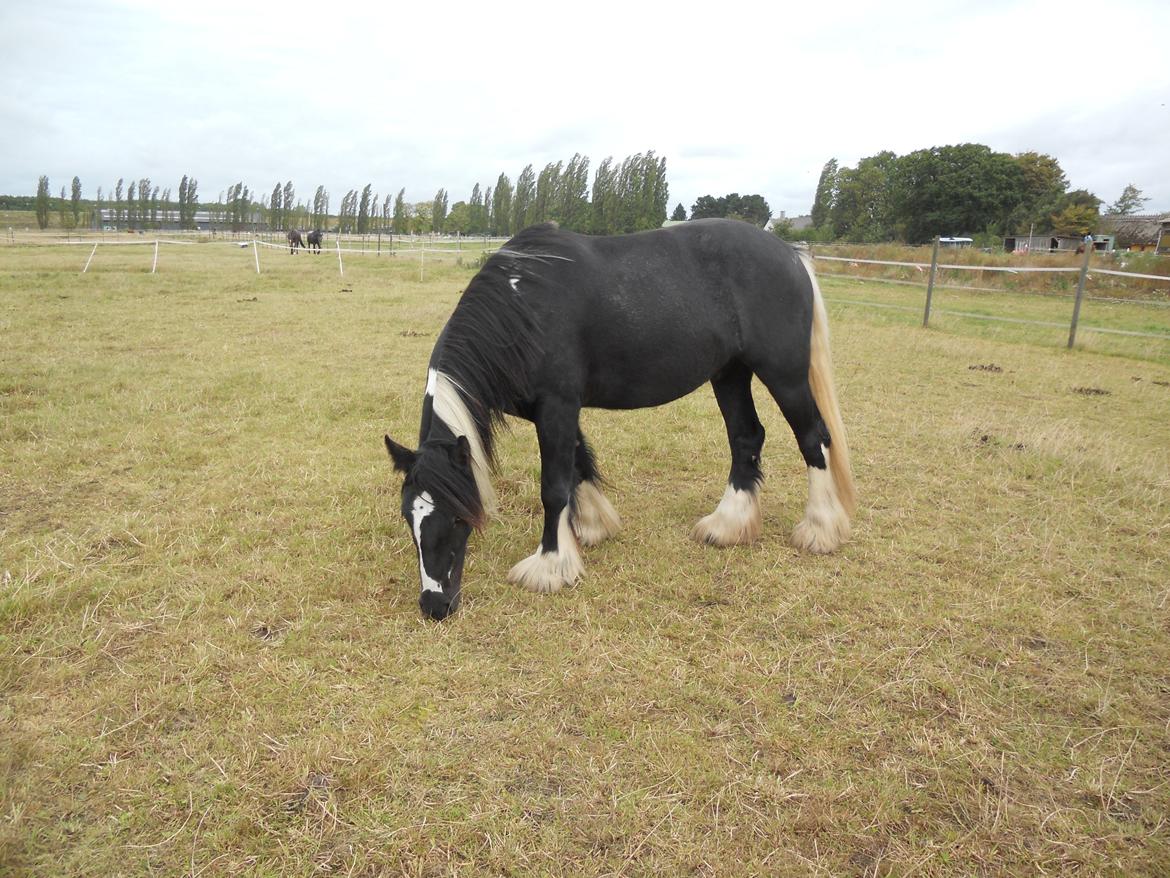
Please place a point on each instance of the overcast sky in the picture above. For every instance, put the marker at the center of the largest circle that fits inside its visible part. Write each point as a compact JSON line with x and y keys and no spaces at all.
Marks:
{"x":739,"y":97}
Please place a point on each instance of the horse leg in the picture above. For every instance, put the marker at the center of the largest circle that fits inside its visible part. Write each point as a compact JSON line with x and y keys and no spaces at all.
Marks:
{"x":826,"y":522}
{"x":591,"y":515}
{"x":557,"y":560}
{"x":737,"y":517}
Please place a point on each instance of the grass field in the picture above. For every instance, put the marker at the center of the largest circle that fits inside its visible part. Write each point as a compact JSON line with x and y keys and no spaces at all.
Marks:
{"x":212,"y":661}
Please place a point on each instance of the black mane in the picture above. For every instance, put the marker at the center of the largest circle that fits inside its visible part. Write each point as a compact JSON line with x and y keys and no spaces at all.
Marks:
{"x":491,"y":342}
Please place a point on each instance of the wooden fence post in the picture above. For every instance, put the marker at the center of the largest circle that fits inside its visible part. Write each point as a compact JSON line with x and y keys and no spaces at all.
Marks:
{"x":1076,"y":315}
{"x":930,"y":283}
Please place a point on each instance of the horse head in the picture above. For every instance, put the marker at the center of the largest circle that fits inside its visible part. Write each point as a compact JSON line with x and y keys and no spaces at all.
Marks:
{"x":440,"y":503}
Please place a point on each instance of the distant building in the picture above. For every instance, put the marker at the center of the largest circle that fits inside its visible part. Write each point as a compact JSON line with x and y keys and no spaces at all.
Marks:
{"x":797,"y":222}
{"x":168,"y":220}
{"x":1041,"y":243}
{"x":1136,"y":232}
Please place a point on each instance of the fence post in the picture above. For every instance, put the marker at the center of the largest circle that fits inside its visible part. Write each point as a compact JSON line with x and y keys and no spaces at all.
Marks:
{"x":340,"y":267}
{"x":930,"y":283}
{"x":256,"y":253}
{"x":154,"y":265}
{"x":1076,"y":315}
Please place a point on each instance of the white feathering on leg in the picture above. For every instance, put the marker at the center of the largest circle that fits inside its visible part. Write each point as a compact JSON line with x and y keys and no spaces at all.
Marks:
{"x":594,"y":519}
{"x":736,"y":519}
{"x":547,"y":572}
{"x":825,"y":525}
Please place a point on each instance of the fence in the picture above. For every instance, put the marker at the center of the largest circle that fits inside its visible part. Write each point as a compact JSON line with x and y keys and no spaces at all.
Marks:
{"x":1082,"y":272}
{"x":433,"y":247}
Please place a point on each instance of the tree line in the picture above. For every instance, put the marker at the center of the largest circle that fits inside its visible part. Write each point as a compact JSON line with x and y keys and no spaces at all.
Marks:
{"x":967,"y":189}
{"x":625,"y":196}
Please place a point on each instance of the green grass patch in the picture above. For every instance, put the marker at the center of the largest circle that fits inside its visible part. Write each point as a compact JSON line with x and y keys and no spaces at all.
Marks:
{"x":212,"y":662}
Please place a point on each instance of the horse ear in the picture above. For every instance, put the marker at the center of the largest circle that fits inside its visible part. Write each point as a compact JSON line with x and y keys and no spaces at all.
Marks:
{"x":403,"y":458}
{"x":461,"y":453}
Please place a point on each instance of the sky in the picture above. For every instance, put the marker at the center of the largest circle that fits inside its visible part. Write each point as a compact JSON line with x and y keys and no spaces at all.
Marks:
{"x":738,"y":97}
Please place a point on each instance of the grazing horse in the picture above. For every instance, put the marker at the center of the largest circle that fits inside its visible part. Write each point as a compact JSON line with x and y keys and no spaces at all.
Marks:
{"x":313,"y":241}
{"x":294,"y":241}
{"x":556,"y":321}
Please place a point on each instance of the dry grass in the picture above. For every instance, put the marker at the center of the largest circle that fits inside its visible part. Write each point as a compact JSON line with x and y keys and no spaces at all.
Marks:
{"x":212,"y":662}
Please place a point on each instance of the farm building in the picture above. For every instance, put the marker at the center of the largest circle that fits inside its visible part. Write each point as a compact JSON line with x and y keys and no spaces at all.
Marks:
{"x":1043,"y":243}
{"x":168,"y":220}
{"x":798,"y":222}
{"x":1135,"y":233}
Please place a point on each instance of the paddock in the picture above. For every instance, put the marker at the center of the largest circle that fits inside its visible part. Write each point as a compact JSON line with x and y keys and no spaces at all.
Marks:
{"x":213,"y":660}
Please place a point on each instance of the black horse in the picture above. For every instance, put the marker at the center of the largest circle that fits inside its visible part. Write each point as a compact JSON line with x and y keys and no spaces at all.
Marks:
{"x":294,"y":241}
{"x":556,"y":321}
{"x":313,"y":241}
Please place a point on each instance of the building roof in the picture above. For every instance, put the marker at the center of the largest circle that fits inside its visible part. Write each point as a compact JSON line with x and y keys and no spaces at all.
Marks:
{"x":1138,"y":228}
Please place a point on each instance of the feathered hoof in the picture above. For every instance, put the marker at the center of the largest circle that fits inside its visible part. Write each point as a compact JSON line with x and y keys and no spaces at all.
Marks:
{"x":821,"y":536}
{"x":546,"y":572}
{"x":594,"y":519}
{"x":735,"y":521}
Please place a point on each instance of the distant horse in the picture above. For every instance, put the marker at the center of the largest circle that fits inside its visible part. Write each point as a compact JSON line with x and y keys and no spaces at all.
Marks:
{"x":556,"y":321}
{"x":313,"y":240}
{"x":294,"y":241}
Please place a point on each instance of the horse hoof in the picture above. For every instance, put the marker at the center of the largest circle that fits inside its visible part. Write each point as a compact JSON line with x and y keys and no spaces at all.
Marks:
{"x":547,"y":572}
{"x":820,"y":537}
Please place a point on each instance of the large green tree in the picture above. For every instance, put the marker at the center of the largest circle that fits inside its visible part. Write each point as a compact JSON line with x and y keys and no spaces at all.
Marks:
{"x":957,"y":190}
{"x":826,"y":191}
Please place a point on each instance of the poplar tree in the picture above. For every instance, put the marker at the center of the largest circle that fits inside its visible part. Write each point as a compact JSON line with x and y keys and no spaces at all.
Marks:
{"x":363,"y":216}
{"x":401,"y":219}
{"x":523,"y":198}
{"x":502,"y":207}
{"x":76,"y":201}
{"x":118,"y":204}
{"x":275,"y":205}
{"x":43,"y":203}
{"x":439,"y":211}
{"x":826,"y":189}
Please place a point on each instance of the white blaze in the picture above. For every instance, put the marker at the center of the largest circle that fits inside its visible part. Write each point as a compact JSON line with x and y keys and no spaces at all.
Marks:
{"x":422,"y":507}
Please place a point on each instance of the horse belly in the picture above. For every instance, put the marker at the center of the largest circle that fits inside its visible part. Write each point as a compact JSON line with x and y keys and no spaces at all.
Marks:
{"x":650,"y":363}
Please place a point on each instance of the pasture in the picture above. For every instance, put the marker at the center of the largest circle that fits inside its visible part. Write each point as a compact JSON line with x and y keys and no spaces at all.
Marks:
{"x":212,"y":660}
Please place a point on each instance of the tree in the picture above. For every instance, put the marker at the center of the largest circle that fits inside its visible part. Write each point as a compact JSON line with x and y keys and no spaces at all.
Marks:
{"x":401,"y":221}
{"x":320,"y":208}
{"x":422,"y":217}
{"x":276,"y":208}
{"x":862,"y":209}
{"x":1077,"y":213}
{"x":1043,"y":185}
{"x":680,"y":213}
{"x":118,"y":203}
{"x":522,"y":199}
{"x":192,"y":202}
{"x":61,"y":210}
{"x":502,"y":207}
{"x":958,"y":189}
{"x":749,"y":208}
{"x":439,"y":211}
{"x":458,"y":219}
{"x":1129,"y":202}
{"x":826,"y":189}
{"x":75,"y":201}
{"x":43,"y":203}
{"x":363,"y":217}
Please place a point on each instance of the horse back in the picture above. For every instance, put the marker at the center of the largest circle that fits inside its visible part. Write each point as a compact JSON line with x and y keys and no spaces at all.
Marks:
{"x":638,"y":320}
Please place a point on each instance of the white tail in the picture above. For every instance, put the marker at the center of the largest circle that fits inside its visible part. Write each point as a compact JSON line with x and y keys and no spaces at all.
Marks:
{"x":820,"y":379}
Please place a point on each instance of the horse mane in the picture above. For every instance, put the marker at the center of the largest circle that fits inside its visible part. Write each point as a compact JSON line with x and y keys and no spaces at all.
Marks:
{"x":492,"y":343}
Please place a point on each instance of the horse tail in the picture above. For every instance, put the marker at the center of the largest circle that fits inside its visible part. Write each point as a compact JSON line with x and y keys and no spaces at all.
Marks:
{"x":820,"y":379}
